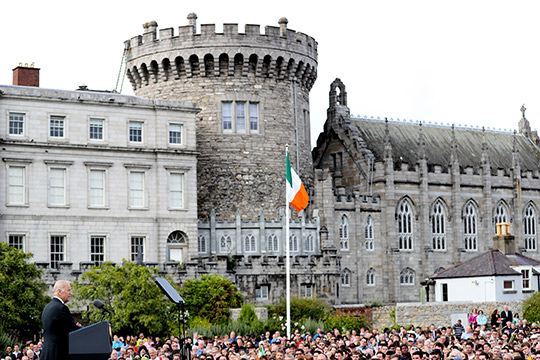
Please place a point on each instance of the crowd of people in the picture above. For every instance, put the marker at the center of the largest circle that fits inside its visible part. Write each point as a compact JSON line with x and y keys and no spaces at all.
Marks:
{"x":506,"y":337}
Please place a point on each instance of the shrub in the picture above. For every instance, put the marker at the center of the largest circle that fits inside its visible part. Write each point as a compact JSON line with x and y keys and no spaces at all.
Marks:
{"x":344,"y":322}
{"x":531,"y":308}
{"x":301,"y":309}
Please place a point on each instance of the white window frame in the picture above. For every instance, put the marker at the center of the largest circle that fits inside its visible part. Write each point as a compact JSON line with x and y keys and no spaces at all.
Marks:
{"x":511,"y":282}
{"x":14,"y":200}
{"x":346,"y":278}
{"x":63,"y":128}
{"x":136,"y":124}
{"x":370,"y":277}
{"x":21,"y":236}
{"x":530,"y":228}
{"x":272,"y":244}
{"x":470,"y":227}
{"x":310,"y":244}
{"x":293,"y":243}
{"x":438,"y":226}
{"x":261,"y":292}
{"x":307,"y":290}
{"x":229,"y":122}
{"x":133,"y":247}
{"x":250,"y":243}
{"x":94,"y":190}
{"x":54,"y":262}
{"x":225,"y":244}
{"x":177,"y":195}
{"x":526,"y":274}
{"x":131,"y":190}
{"x":369,"y":234}
{"x":177,"y":240}
{"x":407,"y":277}
{"x":91,"y":120}
{"x":52,"y":188}
{"x":405,"y":223}
{"x":344,"y":233}
{"x":500,"y":215}
{"x":202,"y":244}
{"x":23,"y":121}
{"x":170,"y":133}
{"x":93,"y":253}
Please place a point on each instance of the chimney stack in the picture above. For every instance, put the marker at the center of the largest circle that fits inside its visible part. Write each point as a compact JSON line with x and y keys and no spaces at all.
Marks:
{"x":26,"y":75}
{"x":504,"y":240}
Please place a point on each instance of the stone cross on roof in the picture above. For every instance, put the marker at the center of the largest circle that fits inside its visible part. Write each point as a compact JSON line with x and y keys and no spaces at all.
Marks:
{"x":523,"y":108}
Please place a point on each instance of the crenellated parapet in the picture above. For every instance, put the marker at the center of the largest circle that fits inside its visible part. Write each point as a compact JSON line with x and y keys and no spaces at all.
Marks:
{"x":278,"y":53}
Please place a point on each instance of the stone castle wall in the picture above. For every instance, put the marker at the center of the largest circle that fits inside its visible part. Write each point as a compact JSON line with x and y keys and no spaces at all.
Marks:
{"x":237,"y":169}
{"x":440,"y":314}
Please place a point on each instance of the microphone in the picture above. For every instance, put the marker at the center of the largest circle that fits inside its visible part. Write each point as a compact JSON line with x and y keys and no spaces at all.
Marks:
{"x":100,"y":305}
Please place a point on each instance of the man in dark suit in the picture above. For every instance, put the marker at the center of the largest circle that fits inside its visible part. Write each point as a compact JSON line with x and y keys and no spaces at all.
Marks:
{"x":506,"y":315}
{"x":57,"y":324}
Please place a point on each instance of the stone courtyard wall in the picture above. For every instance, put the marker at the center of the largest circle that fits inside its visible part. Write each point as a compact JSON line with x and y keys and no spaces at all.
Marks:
{"x":440,"y":314}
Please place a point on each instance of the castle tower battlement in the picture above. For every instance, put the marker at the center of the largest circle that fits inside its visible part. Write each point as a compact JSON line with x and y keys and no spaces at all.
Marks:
{"x":279,"y":53}
{"x":253,"y":92}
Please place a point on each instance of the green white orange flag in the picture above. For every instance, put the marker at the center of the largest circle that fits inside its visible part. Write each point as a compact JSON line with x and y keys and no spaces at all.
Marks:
{"x":296,"y":192}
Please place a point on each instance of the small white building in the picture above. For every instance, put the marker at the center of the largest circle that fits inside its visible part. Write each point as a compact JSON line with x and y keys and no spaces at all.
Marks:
{"x":88,"y":176}
{"x":500,"y":274}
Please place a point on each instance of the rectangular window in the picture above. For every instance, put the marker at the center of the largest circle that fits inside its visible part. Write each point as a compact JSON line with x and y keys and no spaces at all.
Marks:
{"x":254,"y":117}
{"x":261,"y":293}
{"x":227,"y":116}
{"x":136,"y":189}
{"x":97,"y":188}
{"x":444,"y":291}
{"x":95,"y":130}
{"x":16,"y":124}
{"x":57,"y":186}
{"x":56,"y":126}
{"x":526,"y":274}
{"x":16,"y":185}
{"x":306,"y":291}
{"x":16,"y":241}
{"x":241,"y":117}
{"x":135,"y":131}
{"x":176,"y":191}
{"x":508,"y":285}
{"x":97,"y":249}
{"x":175,"y":134}
{"x":137,"y":248}
{"x":58,"y":246}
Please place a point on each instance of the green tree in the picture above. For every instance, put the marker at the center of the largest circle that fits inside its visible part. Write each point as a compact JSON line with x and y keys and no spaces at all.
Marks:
{"x":22,"y":297}
{"x":211,"y":297}
{"x":531,"y":308}
{"x":136,"y":302}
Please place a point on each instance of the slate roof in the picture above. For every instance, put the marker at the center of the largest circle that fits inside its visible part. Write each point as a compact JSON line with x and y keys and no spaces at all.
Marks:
{"x":404,"y":138}
{"x":492,"y":262}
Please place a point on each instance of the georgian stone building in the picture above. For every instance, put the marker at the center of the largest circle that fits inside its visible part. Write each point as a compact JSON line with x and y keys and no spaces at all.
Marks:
{"x":88,"y":177}
{"x":404,"y":200}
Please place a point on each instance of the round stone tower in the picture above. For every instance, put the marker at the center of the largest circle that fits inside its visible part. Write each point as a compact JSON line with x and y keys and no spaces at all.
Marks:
{"x":253,"y":92}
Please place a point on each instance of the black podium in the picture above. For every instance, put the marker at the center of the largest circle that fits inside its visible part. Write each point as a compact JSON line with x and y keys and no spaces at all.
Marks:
{"x":91,"y":343}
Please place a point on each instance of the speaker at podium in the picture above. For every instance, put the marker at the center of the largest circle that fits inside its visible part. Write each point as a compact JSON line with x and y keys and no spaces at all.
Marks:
{"x":91,"y":342}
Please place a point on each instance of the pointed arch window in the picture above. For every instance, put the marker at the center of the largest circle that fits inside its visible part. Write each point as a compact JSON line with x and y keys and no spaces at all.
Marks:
{"x":225,"y":244}
{"x":344,"y":233}
{"x":501,"y":215}
{"x":470,"y":227}
{"x":293,"y":243}
{"x":273,"y":243}
{"x":370,"y":277}
{"x":250,"y":245}
{"x":529,"y":222}
{"x":438,"y":226}
{"x":310,"y":244}
{"x":370,"y":246}
{"x":406,"y":277}
{"x":201,"y":244}
{"x":405,"y":226}
{"x":346,"y":278}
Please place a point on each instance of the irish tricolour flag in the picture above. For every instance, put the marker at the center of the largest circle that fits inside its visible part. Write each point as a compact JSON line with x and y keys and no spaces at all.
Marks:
{"x":296,"y":192}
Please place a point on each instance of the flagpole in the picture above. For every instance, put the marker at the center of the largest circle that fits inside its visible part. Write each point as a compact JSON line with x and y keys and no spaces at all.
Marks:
{"x":287,"y":254}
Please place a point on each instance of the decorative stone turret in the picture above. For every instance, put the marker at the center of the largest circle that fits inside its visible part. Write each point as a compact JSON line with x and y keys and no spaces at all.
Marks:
{"x":247,"y":86}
